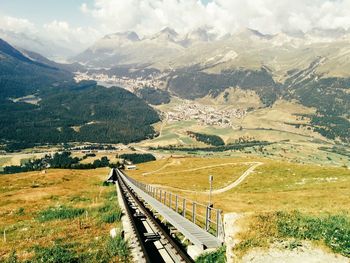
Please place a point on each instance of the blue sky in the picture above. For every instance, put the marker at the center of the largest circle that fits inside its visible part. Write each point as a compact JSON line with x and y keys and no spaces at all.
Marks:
{"x":43,"y":11}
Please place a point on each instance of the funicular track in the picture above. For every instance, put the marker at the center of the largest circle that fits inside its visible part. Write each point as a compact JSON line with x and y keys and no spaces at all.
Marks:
{"x":155,"y":239}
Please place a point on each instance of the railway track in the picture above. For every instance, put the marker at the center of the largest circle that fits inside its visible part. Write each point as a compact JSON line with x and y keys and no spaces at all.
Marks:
{"x":155,"y":240}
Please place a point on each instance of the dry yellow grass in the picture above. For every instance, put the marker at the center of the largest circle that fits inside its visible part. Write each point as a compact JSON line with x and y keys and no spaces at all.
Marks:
{"x":276,"y":185}
{"x":191,"y":173}
{"x":35,"y":191}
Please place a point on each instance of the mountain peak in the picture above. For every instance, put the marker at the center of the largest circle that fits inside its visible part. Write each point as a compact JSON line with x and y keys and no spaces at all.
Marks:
{"x":169,"y":31}
{"x":128,"y":35}
{"x":166,"y":34}
{"x":249,"y":32}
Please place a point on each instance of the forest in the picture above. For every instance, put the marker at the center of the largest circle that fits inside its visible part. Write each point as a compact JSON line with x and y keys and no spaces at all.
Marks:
{"x":222,"y":148}
{"x":62,"y":160}
{"x":79,"y":113}
{"x":207,"y":138}
{"x":65,"y":111}
{"x":138,"y":157}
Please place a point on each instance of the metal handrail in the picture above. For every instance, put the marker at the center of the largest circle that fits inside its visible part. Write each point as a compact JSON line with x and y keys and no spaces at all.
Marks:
{"x":211,"y":218}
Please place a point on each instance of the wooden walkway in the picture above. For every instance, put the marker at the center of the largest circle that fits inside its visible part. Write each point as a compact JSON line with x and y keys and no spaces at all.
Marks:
{"x":191,"y":231}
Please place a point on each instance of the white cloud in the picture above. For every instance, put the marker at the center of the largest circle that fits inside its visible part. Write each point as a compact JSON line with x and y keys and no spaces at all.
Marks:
{"x":149,"y":16}
{"x":62,"y":32}
{"x":56,"y":39}
{"x":267,"y":16}
{"x":16,"y":25}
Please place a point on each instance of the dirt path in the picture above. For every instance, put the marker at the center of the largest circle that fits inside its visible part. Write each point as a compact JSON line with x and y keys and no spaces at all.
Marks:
{"x":239,"y":180}
{"x":216,"y":191}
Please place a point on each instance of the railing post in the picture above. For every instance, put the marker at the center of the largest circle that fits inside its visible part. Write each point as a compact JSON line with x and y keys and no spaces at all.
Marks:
{"x":217,"y":222}
{"x":184,"y":207}
{"x":164,"y":201}
{"x":194,"y":212}
{"x":170,"y":200}
{"x":176,"y":204}
{"x":160,"y":195}
{"x":207,"y":219}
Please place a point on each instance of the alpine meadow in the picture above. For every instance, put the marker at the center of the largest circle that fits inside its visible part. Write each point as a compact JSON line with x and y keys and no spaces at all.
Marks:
{"x":175,"y":131}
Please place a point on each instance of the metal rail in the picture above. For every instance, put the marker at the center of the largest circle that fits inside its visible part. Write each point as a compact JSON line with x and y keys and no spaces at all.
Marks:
{"x":139,"y":213}
{"x":205,"y":216}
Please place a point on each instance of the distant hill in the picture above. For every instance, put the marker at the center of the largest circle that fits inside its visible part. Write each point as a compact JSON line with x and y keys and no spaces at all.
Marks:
{"x":62,"y":110}
{"x":20,"y":75}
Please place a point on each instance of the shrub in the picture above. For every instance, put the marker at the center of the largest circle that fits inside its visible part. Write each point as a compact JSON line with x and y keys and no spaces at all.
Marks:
{"x":20,"y":211}
{"x":218,"y":256}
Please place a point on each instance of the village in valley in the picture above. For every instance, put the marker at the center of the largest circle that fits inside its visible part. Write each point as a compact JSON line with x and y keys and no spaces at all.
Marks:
{"x":205,"y":114}
{"x":128,"y":83}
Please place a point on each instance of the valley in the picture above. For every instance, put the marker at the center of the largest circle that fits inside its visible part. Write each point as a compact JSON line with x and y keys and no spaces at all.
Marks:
{"x":266,"y":115}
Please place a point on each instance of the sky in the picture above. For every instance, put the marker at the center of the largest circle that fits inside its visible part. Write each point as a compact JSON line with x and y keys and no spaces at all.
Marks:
{"x":82,"y":22}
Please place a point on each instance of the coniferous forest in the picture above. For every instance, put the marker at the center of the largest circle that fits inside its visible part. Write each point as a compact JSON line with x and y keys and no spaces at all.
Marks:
{"x":65,"y":111}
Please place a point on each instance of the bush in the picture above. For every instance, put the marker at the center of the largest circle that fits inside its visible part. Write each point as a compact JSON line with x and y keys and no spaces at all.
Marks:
{"x":218,"y":256}
{"x":61,"y":212}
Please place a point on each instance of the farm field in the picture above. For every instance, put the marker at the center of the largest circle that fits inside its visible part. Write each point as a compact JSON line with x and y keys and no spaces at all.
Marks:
{"x":60,"y":211}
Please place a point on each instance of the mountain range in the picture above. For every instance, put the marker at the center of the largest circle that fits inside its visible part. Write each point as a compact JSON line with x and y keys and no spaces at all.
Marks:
{"x":247,"y":48}
{"x":312,"y":68}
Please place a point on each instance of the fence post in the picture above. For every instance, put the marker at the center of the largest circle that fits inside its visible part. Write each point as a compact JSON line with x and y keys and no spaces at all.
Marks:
{"x":170,"y":200}
{"x":194,"y":212}
{"x":184,"y":207}
{"x":160,"y":195}
{"x":164,"y":197}
{"x":176,"y":204}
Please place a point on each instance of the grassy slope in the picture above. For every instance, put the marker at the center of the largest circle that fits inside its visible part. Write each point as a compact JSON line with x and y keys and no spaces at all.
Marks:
{"x":276,"y":185}
{"x":24,"y":196}
{"x":320,"y":193}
